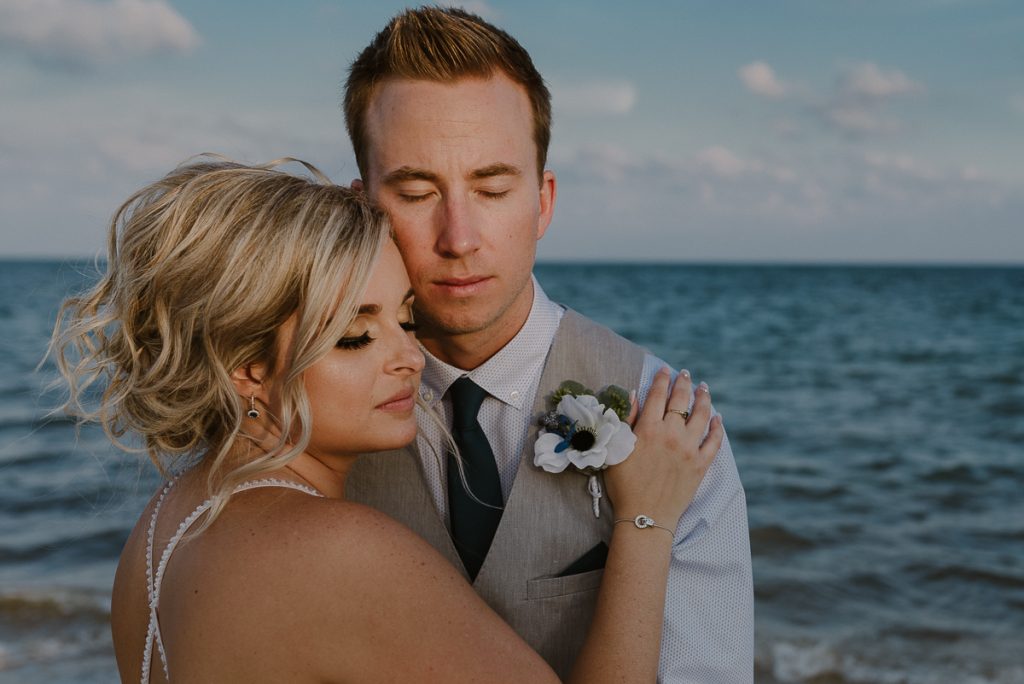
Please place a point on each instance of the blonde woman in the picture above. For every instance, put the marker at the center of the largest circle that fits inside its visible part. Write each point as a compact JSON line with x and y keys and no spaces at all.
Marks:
{"x":254,"y":329}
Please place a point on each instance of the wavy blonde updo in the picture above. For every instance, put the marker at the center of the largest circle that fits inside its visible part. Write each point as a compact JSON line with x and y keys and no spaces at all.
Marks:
{"x":203,"y":267}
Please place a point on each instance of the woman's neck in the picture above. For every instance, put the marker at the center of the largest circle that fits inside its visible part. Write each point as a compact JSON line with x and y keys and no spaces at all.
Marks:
{"x":325,"y":474}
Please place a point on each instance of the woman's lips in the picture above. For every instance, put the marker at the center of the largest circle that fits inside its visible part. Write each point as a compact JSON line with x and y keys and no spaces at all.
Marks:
{"x":462,"y":287}
{"x":400,"y":403}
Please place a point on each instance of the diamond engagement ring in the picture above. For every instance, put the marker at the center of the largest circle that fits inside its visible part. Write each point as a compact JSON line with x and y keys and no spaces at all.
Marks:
{"x":684,"y":414}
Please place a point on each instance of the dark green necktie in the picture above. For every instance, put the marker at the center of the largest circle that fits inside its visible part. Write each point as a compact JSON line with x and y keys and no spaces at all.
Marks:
{"x":473,"y":523}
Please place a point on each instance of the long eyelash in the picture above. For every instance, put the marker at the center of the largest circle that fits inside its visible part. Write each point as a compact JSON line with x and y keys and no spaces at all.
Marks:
{"x":354,"y":342}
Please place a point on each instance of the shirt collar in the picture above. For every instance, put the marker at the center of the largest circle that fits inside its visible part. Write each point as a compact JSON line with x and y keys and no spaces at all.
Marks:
{"x":508,"y":375}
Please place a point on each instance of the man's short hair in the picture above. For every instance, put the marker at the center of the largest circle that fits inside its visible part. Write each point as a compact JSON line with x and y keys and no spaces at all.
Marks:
{"x":442,"y":44}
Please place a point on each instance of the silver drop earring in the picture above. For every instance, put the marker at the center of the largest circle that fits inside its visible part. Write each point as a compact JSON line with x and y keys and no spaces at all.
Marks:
{"x":253,"y":412}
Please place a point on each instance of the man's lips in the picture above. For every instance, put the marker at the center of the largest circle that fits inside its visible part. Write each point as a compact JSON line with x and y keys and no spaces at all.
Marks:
{"x":401,"y":402}
{"x":462,"y":286}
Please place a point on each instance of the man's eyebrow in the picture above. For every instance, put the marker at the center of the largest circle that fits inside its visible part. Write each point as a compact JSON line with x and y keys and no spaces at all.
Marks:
{"x":497,"y":169}
{"x":408,"y":173}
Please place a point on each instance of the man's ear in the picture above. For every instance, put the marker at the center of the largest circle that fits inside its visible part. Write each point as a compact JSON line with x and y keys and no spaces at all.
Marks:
{"x":357,"y":185}
{"x":248,"y":381}
{"x":548,"y":194}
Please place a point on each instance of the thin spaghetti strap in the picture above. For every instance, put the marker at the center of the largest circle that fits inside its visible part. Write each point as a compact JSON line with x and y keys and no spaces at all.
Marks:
{"x":153,"y":629}
{"x":155,"y":580}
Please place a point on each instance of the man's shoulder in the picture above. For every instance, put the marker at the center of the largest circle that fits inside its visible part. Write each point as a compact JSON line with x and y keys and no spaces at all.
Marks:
{"x":594,"y":334}
{"x":591,"y":353}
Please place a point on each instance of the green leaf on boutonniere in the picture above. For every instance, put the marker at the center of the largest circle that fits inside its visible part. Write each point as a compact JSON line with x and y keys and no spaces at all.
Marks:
{"x":617,"y":399}
{"x":570,"y":387}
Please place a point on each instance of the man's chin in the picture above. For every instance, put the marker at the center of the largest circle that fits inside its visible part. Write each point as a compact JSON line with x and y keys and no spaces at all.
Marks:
{"x":452,"y":326}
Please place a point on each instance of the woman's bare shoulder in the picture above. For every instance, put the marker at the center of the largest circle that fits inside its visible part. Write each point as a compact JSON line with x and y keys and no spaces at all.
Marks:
{"x":369,"y":588}
{"x":329,"y":588}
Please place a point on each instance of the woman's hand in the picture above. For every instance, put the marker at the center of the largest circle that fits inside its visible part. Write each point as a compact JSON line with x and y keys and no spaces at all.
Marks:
{"x":672,"y":454}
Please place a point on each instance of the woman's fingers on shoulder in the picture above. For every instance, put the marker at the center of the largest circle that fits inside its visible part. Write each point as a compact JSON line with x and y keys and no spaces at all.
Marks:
{"x":713,"y":441}
{"x":702,"y":406}
{"x":682,"y":390}
{"x":654,"y":406}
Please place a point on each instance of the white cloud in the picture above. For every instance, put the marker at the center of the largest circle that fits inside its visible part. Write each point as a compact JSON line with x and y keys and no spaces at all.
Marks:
{"x":903,"y":164}
{"x":595,"y":98}
{"x":858,"y":119}
{"x":869,"y":81}
{"x":77,"y":32}
{"x":971,"y":173}
{"x":863,"y":93}
{"x":760,"y":79}
{"x":724,"y":163}
{"x":61,"y":177}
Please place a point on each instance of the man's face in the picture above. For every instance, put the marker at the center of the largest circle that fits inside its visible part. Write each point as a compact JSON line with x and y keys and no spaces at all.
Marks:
{"x":455,"y":166}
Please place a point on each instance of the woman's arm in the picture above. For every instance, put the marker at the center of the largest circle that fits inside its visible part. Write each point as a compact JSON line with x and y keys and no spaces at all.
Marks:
{"x":658,"y":480}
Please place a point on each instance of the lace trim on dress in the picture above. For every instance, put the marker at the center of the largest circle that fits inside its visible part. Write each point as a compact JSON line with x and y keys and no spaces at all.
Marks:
{"x":154,"y":580}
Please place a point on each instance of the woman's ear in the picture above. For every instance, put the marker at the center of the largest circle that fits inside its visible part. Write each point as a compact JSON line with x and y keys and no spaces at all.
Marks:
{"x":248,"y":381}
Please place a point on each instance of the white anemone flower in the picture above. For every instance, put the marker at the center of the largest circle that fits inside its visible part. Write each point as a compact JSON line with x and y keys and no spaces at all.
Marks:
{"x":598,"y":438}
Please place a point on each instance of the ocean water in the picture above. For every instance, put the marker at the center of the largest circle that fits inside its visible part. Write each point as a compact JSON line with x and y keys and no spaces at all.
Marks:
{"x":876,"y":414}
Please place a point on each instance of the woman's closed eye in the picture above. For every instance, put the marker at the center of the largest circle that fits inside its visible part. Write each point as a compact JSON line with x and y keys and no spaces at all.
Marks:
{"x":355,"y":341}
{"x":364,"y":340}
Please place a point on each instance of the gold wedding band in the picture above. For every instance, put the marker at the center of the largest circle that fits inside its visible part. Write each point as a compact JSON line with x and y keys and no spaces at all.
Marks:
{"x":684,"y":414}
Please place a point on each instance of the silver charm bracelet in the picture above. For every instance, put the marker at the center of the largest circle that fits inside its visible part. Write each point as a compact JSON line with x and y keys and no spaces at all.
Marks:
{"x":644,"y":521}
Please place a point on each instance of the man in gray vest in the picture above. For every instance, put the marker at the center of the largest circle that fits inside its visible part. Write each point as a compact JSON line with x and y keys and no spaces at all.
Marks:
{"x":450,"y":123}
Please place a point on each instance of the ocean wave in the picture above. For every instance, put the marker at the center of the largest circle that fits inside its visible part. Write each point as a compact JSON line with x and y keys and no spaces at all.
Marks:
{"x":1006,"y":407}
{"x":821,"y":492}
{"x":21,"y":425}
{"x":48,"y":625}
{"x":807,"y":661}
{"x":67,"y":501}
{"x":70,"y":549}
{"x":34,"y":458}
{"x":959,"y":473}
{"x":30,"y":606}
{"x":963,"y":575}
{"x":772,"y":539}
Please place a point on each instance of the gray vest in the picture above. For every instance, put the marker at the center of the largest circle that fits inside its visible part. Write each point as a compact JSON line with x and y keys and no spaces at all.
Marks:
{"x":548,"y":520}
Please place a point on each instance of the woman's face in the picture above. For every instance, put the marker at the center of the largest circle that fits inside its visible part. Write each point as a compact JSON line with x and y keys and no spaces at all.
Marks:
{"x":363,"y":392}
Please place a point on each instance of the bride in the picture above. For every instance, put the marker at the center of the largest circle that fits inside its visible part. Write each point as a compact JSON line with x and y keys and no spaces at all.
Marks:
{"x":254,"y":329}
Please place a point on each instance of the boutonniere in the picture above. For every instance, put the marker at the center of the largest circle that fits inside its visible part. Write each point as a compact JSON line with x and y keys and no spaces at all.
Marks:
{"x":587,"y":430}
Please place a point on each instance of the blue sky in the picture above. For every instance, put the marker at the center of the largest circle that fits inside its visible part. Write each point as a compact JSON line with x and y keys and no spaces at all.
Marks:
{"x":794,"y":131}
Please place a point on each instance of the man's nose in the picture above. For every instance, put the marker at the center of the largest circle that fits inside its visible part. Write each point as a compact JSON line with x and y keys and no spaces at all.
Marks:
{"x":458,"y":232}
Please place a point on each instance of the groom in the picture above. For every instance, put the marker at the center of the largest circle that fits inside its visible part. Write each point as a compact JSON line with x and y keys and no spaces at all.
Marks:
{"x":450,"y":123}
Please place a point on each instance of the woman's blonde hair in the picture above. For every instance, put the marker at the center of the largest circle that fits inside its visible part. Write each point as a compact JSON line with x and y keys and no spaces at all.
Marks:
{"x":203,"y":267}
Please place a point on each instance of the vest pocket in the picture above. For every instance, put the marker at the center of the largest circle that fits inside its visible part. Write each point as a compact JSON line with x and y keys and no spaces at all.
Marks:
{"x":548,"y":587}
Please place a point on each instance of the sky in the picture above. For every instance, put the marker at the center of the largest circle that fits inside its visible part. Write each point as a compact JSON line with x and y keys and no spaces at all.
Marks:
{"x":857,"y":131}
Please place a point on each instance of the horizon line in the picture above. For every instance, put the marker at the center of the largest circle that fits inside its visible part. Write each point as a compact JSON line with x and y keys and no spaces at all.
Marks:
{"x":605,"y":261}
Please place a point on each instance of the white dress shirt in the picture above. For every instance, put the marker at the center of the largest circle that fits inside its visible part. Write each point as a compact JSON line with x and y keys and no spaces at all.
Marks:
{"x":708,"y":634}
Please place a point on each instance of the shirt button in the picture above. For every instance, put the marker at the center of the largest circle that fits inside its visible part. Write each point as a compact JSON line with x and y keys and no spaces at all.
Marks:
{"x":426,"y":395}
{"x":514,"y":394}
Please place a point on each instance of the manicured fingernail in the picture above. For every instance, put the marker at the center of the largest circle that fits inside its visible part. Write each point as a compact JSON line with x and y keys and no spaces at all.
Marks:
{"x":703,"y":387}
{"x":684,"y":374}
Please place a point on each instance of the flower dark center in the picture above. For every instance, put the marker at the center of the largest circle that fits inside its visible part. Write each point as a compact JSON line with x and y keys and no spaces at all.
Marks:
{"x":583,"y":439}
